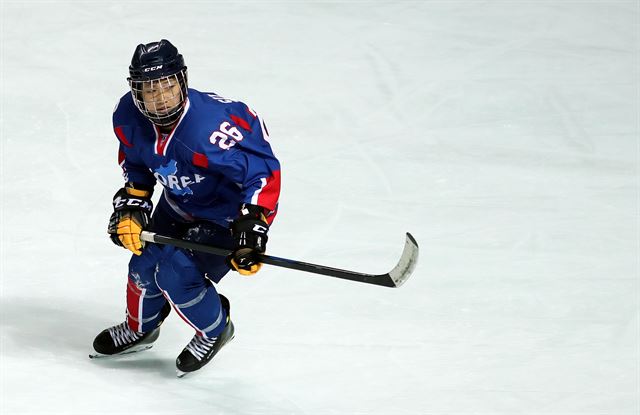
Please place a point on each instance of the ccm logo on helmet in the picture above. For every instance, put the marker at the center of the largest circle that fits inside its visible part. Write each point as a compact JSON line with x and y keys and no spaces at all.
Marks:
{"x":152,"y":68}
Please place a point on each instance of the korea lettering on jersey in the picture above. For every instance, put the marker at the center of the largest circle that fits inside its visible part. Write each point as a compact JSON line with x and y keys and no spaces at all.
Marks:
{"x":216,"y":157}
{"x":174,"y":183}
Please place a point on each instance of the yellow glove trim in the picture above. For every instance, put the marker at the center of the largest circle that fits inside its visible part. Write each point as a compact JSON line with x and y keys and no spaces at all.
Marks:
{"x":246,"y":272}
{"x":137,"y":192}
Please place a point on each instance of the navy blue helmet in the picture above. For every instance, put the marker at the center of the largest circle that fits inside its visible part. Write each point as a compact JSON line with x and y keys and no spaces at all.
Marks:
{"x":155,"y":60}
{"x":158,"y":81}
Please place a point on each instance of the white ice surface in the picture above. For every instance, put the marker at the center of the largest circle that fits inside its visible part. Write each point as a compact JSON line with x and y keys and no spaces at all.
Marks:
{"x":502,"y":134}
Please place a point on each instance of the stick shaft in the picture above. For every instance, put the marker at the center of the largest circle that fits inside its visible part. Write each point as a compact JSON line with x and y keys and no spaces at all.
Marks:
{"x":387,"y":280}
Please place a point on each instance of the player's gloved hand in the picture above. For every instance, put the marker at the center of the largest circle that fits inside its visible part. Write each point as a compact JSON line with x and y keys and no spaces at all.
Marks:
{"x":249,"y":232}
{"x":131,"y":210}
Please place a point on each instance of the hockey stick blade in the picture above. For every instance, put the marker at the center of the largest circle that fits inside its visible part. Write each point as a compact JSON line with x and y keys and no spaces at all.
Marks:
{"x":394,"y":278}
{"x":408,"y":261}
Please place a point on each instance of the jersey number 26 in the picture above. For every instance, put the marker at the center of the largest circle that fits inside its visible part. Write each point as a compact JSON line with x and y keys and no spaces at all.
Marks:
{"x":226,"y":137}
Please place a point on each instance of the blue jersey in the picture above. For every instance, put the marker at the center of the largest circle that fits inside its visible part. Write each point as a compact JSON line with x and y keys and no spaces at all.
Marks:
{"x":215,"y":158}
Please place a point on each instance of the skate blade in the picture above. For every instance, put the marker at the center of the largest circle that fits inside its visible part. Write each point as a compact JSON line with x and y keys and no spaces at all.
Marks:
{"x":126,"y":352}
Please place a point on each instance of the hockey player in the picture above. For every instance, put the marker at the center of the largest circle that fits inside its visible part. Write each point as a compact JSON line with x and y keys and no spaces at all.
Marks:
{"x":221,"y":183}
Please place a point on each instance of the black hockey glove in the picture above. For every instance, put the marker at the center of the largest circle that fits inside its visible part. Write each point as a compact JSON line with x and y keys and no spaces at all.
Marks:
{"x":249,"y":232}
{"x":132,"y":208}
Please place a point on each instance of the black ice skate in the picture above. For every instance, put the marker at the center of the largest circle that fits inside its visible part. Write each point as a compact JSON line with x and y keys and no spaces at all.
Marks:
{"x":201,"y":350}
{"x":120,"y":339}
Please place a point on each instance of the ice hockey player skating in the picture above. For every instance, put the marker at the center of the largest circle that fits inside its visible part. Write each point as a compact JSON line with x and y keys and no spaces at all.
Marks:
{"x":221,"y":183}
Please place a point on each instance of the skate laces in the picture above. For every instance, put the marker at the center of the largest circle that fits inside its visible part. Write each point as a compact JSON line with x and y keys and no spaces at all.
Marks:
{"x":122,"y":334}
{"x":199,"y":346}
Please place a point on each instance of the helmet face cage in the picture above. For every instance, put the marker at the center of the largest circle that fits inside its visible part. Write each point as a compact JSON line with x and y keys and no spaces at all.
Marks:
{"x":161,"y":100}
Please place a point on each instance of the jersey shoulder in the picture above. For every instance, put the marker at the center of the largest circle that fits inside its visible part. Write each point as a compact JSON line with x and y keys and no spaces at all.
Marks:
{"x":215,"y":117}
{"x":214,"y":106}
{"x":124,"y":110}
{"x":221,"y":134}
{"x":128,"y":122}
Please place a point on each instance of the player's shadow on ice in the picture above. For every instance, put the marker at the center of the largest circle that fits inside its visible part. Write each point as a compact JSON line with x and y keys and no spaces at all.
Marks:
{"x":145,"y":362}
{"x":65,"y":332}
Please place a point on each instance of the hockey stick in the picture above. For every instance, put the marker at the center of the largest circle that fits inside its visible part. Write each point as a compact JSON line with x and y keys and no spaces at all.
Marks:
{"x":394,"y":278}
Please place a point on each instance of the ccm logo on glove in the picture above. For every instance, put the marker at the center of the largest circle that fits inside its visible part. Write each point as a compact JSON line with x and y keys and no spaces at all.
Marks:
{"x":120,"y":202}
{"x":260,"y":229}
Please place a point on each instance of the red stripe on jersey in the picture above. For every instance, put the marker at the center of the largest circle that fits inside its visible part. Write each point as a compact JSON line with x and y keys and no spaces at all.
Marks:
{"x":200,"y":160}
{"x":182,"y":316}
{"x":122,"y":137}
{"x":250,"y":111}
{"x":241,"y":122}
{"x":161,"y":144}
{"x":269,"y":194}
{"x":133,"y":306}
{"x":161,"y":141}
{"x":121,"y":157}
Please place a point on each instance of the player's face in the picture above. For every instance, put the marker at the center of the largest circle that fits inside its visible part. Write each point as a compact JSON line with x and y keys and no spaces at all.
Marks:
{"x":161,"y":96}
